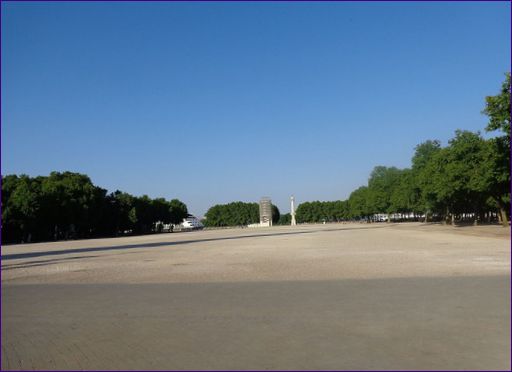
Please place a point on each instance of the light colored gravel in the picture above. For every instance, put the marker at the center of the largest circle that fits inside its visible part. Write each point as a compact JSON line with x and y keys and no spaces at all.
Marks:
{"x":314,"y":252}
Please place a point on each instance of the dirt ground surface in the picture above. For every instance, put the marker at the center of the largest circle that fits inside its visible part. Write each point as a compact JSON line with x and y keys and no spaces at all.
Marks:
{"x":314,"y":297}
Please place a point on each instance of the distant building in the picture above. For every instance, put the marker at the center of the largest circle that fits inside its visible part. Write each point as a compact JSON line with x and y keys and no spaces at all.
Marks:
{"x":191,"y":222}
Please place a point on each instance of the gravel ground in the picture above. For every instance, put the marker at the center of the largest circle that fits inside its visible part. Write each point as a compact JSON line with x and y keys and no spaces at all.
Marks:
{"x":335,"y":296}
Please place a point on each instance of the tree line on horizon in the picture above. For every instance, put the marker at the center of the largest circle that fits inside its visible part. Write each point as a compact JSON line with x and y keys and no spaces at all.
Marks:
{"x":69,"y":206}
{"x":468,"y":177}
{"x":236,"y":214}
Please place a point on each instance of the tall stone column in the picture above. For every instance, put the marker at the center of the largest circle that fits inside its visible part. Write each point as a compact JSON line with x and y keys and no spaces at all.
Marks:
{"x":292,"y":210}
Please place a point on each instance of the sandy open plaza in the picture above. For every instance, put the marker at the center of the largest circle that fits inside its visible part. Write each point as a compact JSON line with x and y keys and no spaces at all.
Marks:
{"x":335,"y":296}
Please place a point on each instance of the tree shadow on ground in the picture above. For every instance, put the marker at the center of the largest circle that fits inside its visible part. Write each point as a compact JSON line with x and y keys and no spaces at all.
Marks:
{"x":15,"y":256}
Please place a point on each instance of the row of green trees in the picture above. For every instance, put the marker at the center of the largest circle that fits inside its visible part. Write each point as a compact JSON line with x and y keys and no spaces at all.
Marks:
{"x":68,"y":205}
{"x":317,"y":211}
{"x":236,"y":214}
{"x":469,"y":176}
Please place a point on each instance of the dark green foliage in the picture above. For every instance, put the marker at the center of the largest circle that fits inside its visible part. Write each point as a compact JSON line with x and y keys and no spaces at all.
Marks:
{"x":382,"y":184}
{"x":236,"y":214}
{"x":404,"y":196}
{"x":498,"y":109}
{"x":421,"y":177}
{"x":358,"y":203}
{"x":276,"y":214}
{"x":67,"y":205}
{"x":317,"y":211}
{"x":285,"y":219}
{"x":451,"y":180}
{"x":232,"y":214}
{"x":177,"y":212}
{"x":469,"y":176}
{"x":498,"y":156}
{"x":459,"y":178}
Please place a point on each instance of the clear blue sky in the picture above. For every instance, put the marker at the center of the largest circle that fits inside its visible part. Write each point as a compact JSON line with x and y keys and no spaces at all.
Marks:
{"x":218,"y":102}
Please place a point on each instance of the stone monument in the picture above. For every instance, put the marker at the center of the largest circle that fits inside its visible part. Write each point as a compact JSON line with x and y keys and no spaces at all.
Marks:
{"x":265,"y":212}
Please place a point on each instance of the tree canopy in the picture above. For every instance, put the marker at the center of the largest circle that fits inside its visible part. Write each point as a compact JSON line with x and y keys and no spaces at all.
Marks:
{"x":471,"y":175}
{"x":236,"y":214}
{"x":68,"y":205}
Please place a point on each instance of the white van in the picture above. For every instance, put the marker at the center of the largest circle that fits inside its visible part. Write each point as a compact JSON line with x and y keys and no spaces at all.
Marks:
{"x":191,"y":223}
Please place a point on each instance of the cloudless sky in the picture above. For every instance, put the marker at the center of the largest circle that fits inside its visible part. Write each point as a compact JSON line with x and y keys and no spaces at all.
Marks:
{"x":219,"y":102}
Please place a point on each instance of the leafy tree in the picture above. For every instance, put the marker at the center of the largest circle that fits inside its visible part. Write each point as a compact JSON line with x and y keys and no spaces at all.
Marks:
{"x":22,"y":207}
{"x":126,"y":216}
{"x":381,"y":185}
{"x":10,"y":229}
{"x":454,"y":174}
{"x":177,"y":211}
{"x":318,"y":211}
{"x":498,"y":158}
{"x":285,"y":219}
{"x":232,"y":214}
{"x":236,"y":214}
{"x":276,"y":214}
{"x":144,"y":213}
{"x":68,"y":205}
{"x":425,"y":199}
{"x":404,"y":195}
{"x":67,"y":199}
{"x":493,"y":177}
{"x":498,"y":109}
{"x":358,"y":203}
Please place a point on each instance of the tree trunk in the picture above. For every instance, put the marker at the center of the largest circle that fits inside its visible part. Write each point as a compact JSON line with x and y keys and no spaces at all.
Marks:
{"x":502,"y":215}
{"x":481,"y":217}
{"x":389,"y":218}
{"x":453,"y":219}
{"x":504,"y":218}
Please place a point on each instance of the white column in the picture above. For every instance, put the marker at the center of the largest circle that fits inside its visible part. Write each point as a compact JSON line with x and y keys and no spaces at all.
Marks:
{"x":292,"y":210}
